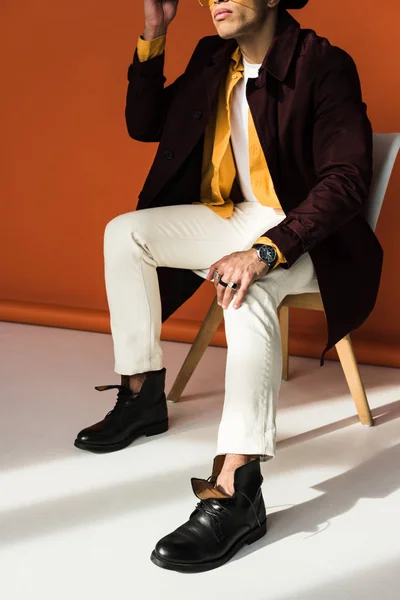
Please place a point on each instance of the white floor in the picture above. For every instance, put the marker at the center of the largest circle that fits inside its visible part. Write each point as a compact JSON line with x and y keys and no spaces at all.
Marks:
{"x":80,"y":525}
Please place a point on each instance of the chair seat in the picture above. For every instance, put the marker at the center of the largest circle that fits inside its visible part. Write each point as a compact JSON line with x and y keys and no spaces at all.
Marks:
{"x":312,"y":301}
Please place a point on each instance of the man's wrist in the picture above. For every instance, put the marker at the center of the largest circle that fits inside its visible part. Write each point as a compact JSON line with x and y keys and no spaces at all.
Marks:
{"x":257,"y":258}
{"x":151,"y":34}
{"x":267,"y":254}
{"x":255,"y":253}
{"x":267,"y":241}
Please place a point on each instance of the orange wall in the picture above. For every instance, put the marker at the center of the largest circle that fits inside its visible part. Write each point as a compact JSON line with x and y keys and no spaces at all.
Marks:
{"x":68,"y":165}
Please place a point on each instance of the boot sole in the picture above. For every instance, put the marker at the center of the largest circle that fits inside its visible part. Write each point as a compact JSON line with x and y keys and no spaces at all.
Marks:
{"x":249,"y":538}
{"x":154,"y":429}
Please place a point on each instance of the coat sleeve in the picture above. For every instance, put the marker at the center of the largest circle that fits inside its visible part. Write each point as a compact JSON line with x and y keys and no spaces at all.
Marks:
{"x":342,"y":151}
{"x":148,"y":100}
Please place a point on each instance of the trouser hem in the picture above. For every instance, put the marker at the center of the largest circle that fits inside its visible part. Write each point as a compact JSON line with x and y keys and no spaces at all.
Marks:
{"x":265,"y":449}
{"x":262,"y":445}
{"x":133,"y":369}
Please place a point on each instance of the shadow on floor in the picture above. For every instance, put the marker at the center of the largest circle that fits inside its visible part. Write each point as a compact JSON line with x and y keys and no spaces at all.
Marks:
{"x":374,"y":478}
{"x":378,"y":581}
{"x":382,"y":414}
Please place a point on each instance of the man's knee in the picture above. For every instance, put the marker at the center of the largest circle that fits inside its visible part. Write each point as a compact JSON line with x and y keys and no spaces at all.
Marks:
{"x":117,"y":227}
{"x":260,"y":302}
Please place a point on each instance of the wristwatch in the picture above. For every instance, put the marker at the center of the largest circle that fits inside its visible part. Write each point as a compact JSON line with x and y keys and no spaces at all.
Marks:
{"x":266,"y":254}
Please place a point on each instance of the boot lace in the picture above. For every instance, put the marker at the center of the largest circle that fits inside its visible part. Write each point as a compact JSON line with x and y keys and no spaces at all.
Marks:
{"x":125,"y":398}
{"x":216,"y":510}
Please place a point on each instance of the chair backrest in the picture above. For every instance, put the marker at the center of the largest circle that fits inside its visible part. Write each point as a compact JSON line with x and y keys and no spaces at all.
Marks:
{"x":385,"y":149}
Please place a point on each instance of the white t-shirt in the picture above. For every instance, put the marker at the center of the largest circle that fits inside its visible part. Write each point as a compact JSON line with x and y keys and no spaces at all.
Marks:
{"x":240,"y":130}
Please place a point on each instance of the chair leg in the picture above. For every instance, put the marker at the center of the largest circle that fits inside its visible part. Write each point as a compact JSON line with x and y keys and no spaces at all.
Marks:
{"x":284,"y":324}
{"x":349,"y":365}
{"x":199,"y":346}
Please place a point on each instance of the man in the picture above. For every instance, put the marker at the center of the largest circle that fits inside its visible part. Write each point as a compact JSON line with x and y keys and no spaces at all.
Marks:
{"x":263,"y":166}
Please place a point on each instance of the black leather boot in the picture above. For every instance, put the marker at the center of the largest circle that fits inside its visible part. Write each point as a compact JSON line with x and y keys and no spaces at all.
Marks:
{"x":219,"y":526}
{"x":134,"y":414}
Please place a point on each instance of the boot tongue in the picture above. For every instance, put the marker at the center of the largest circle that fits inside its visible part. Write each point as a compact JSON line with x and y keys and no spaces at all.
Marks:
{"x":204,"y":489}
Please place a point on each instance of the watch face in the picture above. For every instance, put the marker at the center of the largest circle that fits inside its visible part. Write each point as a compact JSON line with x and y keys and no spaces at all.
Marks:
{"x":268,"y":253}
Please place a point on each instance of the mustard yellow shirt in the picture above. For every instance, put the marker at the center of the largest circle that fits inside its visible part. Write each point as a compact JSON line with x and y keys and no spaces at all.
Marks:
{"x":218,"y":166}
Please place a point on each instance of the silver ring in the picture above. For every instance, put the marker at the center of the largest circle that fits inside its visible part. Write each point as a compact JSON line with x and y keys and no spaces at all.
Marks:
{"x":217,"y":276}
{"x":230,"y":284}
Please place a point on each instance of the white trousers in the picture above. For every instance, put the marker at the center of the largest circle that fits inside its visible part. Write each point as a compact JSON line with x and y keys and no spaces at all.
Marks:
{"x":193,"y":237}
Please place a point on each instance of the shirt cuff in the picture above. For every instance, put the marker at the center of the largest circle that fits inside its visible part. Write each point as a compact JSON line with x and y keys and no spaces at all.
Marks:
{"x":147,"y":49}
{"x":266,"y":240}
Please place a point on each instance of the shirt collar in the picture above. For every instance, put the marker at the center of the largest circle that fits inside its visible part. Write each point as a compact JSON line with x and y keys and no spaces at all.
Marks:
{"x":237,"y":62}
{"x":280,"y":55}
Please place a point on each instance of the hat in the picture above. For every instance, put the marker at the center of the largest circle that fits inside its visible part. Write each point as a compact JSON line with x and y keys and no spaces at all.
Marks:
{"x":292,"y":4}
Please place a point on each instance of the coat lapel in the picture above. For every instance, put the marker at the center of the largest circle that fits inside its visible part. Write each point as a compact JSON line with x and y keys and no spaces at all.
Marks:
{"x":264,"y":94}
{"x":215,"y":71}
{"x":200,"y":96}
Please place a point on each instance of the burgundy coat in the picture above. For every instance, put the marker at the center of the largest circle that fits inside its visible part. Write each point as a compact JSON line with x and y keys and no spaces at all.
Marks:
{"x":317,"y":141}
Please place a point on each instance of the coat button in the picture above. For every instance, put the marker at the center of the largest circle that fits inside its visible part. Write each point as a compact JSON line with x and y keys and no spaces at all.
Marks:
{"x":198,"y":114}
{"x":168,"y":154}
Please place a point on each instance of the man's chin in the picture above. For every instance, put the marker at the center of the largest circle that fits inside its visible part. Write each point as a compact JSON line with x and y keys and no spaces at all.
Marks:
{"x":225,"y":34}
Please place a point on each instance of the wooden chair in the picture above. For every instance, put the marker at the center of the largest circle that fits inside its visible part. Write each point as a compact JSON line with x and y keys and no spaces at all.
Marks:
{"x":386,"y":146}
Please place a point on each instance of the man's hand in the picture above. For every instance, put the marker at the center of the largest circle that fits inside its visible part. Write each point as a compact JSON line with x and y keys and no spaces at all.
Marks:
{"x":240,"y":267}
{"x":158,"y":14}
